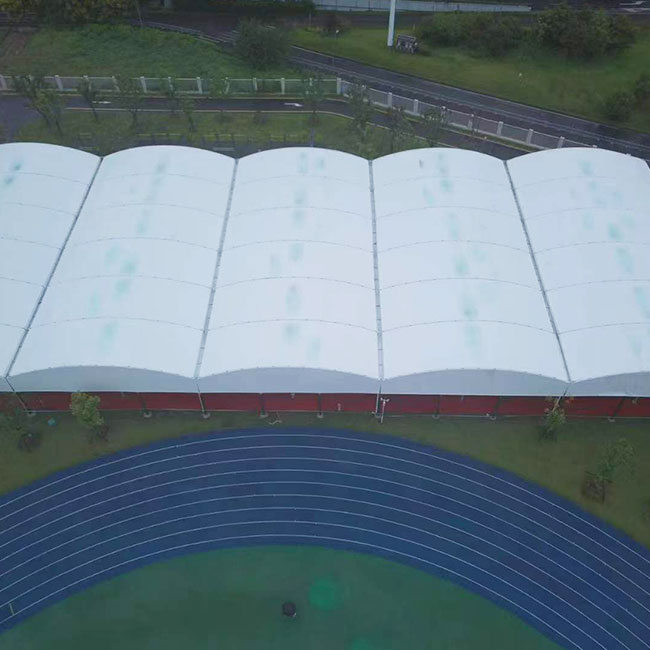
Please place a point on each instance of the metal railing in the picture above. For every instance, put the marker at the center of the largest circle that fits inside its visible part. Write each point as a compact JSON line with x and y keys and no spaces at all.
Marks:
{"x":224,"y":87}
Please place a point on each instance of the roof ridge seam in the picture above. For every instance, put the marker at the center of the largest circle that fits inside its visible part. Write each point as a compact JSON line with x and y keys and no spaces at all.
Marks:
{"x":46,"y":284}
{"x":537,"y":272}
{"x":215,"y":275}
{"x":375,"y":258}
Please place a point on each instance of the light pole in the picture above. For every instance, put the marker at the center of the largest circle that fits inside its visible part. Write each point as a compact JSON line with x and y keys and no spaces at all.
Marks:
{"x":391,"y":23}
{"x":384,"y":401}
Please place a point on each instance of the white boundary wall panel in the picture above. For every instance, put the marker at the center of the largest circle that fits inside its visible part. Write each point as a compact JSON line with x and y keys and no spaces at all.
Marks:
{"x":294,"y":305}
{"x":126,"y":306}
{"x":462,"y":308}
{"x":588,"y":216}
{"x":42,"y":188}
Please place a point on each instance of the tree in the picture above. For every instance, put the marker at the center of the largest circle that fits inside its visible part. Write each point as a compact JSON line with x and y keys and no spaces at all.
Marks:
{"x":618,"y":106}
{"x":90,"y":95}
{"x":432,"y":124}
{"x":68,"y":11}
{"x":42,"y":98}
{"x":171,"y":93}
{"x":13,"y":417}
{"x":85,"y":409}
{"x":641,"y":89}
{"x":584,"y":33}
{"x":313,"y":94}
{"x":400,"y":129}
{"x":187,"y":106}
{"x":553,"y":421}
{"x":361,"y":108}
{"x":616,"y":460}
{"x":261,"y":46}
{"x":130,"y":97}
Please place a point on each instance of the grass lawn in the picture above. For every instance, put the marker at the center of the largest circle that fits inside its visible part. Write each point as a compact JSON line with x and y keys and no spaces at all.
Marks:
{"x":232,"y":599}
{"x":113,"y":131}
{"x":529,"y":75}
{"x":509,"y":443}
{"x":105,"y":50}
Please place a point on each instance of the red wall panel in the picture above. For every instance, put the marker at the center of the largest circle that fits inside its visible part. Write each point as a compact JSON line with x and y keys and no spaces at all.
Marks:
{"x":46,"y":401}
{"x":348,"y":402}
{"x":630,"y":409}
{"x":119,"y":401}
{"x":171,"y":401}
{"x":410,"y":404}
{"x":467,"y":405}
{"x":586,"y":406}
{"x":290,"y":402}
{"x":232,"y":401}
{"x":522,"y":406}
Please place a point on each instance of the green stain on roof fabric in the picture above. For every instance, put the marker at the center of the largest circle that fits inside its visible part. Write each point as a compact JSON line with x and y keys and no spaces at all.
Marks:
{"x":614,"y":232}
{"x":625,"y":260}
{"x":296,"y":251}
{"x":291,"y":332}
{"x":293,"y":300}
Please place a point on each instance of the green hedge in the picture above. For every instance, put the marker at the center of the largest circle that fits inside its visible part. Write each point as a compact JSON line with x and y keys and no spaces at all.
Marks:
{"x":258,"y":8}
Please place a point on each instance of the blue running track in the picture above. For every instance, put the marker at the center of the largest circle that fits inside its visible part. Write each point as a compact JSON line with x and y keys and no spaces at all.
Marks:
{"x":577,"y":580}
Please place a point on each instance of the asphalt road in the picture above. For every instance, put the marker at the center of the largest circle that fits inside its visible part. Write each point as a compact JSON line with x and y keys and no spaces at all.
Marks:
{"x":583,"y":584}
{"x":513,"y":113}
{"x":14,"y":113}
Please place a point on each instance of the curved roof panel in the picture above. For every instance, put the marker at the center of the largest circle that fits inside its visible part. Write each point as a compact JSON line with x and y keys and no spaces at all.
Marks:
{"x":132,"y":288}
{"x":587,"y":214}
{"x":459,"y":291}
{"x":294,"y":303}
{"x":42,"y":188}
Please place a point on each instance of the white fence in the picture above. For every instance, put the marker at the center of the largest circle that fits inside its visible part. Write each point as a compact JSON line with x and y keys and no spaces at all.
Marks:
{"x":468,"y":122}
{"x":419,"y":5}
{"x":201,"y":86}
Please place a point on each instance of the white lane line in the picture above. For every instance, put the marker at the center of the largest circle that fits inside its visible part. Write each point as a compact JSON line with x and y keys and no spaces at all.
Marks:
{"x":330,"y":485}
{"x":242,"y":538}
{"x":328,"y":460}
{"x":334,"y":512}
{"x":339,"y":438}
{"x":314,"y":523}
{"x":245,"y":472}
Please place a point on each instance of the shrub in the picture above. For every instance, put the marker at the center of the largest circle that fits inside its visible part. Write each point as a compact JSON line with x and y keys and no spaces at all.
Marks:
{"x":553,"y":422}
{"x":30,"y":440}
{"x":85,"y":408}
{"x":260,"y":8}
{"x":641,"y":89}
{"x":484,"y":33}
{"x":618,"y":106}
{"x":260,"y":45}
{"x":333,"y":23}
{"x":585,"y":33}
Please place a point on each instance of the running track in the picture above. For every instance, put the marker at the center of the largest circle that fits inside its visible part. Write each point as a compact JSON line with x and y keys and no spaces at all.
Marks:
{"x":575,"y":579}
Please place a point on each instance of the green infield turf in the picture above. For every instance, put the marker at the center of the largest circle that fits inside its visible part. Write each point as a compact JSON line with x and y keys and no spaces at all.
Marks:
{"x":232,"y":600}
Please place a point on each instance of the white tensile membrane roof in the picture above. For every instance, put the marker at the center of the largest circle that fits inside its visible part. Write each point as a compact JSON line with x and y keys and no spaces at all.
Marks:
{"x":294,"y":305}
{"x":185,"y":270}
{"x":462,"y":307}
{"x":126,"y":306}
{"x":41,"y":191}
{"x":587,"y":212}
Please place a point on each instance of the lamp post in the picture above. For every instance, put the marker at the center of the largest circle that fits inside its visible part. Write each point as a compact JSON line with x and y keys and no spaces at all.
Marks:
{"x":391,"y":24}
{"x":384,"y":401}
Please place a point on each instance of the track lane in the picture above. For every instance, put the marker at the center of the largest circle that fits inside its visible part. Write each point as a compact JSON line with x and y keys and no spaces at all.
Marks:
{"x":519,"y":542}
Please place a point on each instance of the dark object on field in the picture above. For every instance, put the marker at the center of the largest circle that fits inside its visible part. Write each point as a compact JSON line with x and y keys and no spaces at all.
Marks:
{"x":289,"y":609}
{"x":29,"y":440}
{"x":406,"y":43}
